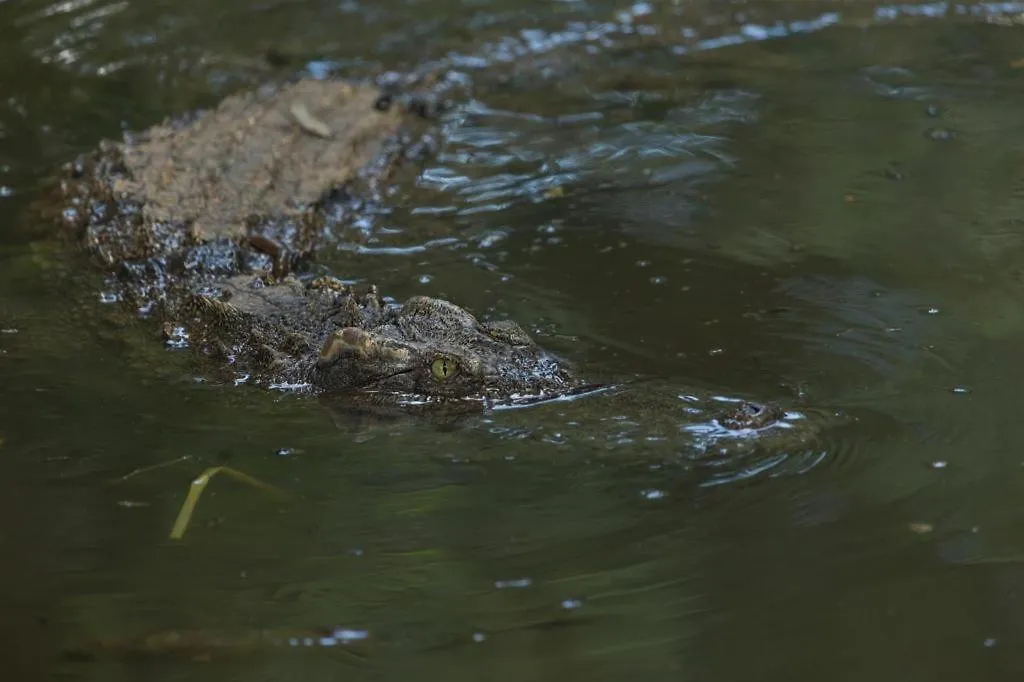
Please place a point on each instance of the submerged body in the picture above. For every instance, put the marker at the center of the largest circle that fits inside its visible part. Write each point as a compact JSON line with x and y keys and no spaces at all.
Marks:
{"x":207,"y":223}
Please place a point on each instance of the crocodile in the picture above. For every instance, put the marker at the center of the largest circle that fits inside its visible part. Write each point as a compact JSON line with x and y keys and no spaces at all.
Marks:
{"x":327,"y":336}
{"x":208,"y":223}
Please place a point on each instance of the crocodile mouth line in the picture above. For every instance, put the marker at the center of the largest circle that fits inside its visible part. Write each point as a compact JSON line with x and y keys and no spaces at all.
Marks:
{"x":518,"y":401}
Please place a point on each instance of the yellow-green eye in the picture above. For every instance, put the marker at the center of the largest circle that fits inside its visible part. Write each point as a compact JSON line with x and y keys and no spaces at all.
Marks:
{"x":443,"y":368}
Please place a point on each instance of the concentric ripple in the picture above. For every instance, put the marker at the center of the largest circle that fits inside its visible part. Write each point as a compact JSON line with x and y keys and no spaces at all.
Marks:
{"x":654,"y":424}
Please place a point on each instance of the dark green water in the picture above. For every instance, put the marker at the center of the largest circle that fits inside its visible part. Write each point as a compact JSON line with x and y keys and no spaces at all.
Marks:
{"x":835,"y":209}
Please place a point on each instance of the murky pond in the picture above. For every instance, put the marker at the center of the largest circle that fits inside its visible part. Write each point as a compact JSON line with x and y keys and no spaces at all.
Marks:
{"x":816,"y":203}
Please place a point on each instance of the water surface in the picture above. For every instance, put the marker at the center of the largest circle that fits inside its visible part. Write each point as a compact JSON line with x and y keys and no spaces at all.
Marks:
{"x":818,"y":203}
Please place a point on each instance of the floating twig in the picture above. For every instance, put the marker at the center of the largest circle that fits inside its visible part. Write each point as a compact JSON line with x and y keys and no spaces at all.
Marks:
{"x":199,"y":485}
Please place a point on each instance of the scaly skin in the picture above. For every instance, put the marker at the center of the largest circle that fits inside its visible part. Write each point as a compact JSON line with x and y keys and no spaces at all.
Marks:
{"x":326,"y":336}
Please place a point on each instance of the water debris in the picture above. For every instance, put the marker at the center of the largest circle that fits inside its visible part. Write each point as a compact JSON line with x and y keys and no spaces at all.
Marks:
{"x":940,"y":134}
{"x":920,"y":528}
{"x":142,"y":470}
{"x":199,"y":485}
{"x":132,"y":504}
{"x":202,"y":645}
{"x":308,"y":122}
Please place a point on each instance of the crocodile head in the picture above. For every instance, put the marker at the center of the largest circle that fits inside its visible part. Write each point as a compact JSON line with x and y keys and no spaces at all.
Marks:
{"x":430,"y":350}
{"x":354,"y":348}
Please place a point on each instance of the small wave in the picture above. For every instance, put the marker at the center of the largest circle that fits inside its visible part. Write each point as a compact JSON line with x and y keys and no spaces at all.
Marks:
{"x":797,"y":442}
{"x":854,"y":319}
{"x":643,"y":423}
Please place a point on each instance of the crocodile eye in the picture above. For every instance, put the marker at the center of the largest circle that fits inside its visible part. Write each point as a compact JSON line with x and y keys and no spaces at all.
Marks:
{"x":444,"y":368}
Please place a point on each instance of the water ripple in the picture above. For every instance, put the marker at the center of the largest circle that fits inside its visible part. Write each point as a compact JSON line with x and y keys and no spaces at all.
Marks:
{"x":648,"y":423}
{"x":855,"y":319}
{"x":494,"y":156}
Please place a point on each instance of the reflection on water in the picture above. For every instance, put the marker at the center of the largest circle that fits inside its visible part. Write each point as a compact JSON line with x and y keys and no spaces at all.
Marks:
{"x":814,"y":203}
